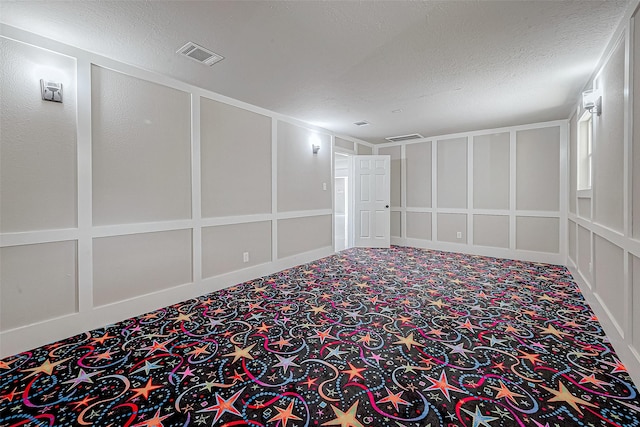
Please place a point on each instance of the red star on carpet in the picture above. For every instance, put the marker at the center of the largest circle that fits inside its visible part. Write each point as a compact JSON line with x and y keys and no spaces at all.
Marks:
{"x":394,"y":398}
{"x":223,"y":406}
{"x":144,"y":391}
{"x":443,"y":385}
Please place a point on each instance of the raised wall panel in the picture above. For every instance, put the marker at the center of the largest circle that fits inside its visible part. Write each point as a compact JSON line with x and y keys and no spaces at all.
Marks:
{"x":37,"y":283}
{"x":573,"y":236}
{"x":449,"y":225}
{"x":141,"y":147}
{"x":635,"y":290}
{"x":129,"y":266}
{"x":235,"y":146}
{"x":538,"y":169}
{"x":223,"y":247}
{"x":491,"y":171}
{"x":608,"y":157}
{"x":396,"y":225}
{"x":37,"y":141}
{"x":343,"y":143}
{"x":302,"y":173}
{"x":452,"y":173}
{"x":419,"y":225}
{"x":418,"y":164}
{"x":396,"y":169}
{"x":491,"y":230}
{"x":609,"y":277}
{"x":298,"y":235}
{"x":364,"y":150}
{"x":584,"y":207}
{"x":537,"y":234}
{"x":573,"y":162}
{"x":635,"y":144}
{"x":584,"y":253}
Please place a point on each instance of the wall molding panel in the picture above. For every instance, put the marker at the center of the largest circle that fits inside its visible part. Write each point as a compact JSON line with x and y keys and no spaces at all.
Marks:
{"x":88,"y":314}
{"x":467,"y":244}
{"x":606,"y":249}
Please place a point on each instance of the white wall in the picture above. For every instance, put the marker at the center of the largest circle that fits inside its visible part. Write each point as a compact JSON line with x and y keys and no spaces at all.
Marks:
{"x":140,"y":191}
{"x":502,"y":189}
{"x":604,"y":222}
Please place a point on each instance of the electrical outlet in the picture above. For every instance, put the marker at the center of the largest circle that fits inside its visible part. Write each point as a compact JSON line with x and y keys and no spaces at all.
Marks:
{"x":324,"y":186}
{"x":245,"y":257}
{"x":590,"y":267}
{"x":459,"y":235}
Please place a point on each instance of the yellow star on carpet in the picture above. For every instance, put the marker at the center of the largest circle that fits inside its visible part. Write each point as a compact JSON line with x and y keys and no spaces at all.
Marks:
{"x":564,"y":395}
{"x":285,"y":415}
{"x":47,"y":367}
{"x":439,"y":303}
{"x":318,"y":310}
{"x":408,"y":341}
{"x":354,"y":372}
{"x":550,"y":330}
{"x":240,"y":353}
{"x":345,"y":419}
{"x":503,"y":391}
{"x":6,"y":364}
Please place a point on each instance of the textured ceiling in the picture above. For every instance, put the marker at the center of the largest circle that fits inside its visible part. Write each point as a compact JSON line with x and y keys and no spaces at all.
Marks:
{"x":450,"y":66}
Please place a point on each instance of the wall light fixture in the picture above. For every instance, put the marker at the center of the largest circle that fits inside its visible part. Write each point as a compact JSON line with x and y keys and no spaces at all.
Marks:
{"x":592,"y":101}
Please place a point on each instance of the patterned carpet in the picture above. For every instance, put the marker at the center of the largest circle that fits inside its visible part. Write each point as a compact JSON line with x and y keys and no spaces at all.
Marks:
{"x":368,"y":337}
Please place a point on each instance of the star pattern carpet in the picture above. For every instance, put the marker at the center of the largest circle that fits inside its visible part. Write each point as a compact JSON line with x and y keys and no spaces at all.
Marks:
{"x":367,"y":337}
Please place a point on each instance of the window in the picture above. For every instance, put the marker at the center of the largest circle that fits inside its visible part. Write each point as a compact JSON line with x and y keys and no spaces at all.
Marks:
{"x":585,"y":150}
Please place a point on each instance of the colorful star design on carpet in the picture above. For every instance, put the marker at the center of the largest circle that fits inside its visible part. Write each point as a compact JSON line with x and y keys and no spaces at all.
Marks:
{"x":398,"y":337}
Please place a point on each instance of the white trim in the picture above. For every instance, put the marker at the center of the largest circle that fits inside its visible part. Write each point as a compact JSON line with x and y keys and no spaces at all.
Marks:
{"x":50,"y":330}
{"x":140,"y":228}
{"x":469,"y":236}
{"x":403,"y":190}
{"x":274,"y":189}
{"x":624,"y":349}
{"x":196,"y":189}
{"x":303,"y":214}
{"x":84,"y":280}
{"x":513,"y":176}
{"x":519,"y":254}
{"x":564,"y":193}
{"x":434,"y":190}
{"x":478,"y":133}
{"x":35,"y":237}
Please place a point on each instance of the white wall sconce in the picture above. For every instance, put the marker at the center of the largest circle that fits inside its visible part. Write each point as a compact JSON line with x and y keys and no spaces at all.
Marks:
{"x":592,"y":101}
{"x":315,"y":144}
{"x":51,"y":91}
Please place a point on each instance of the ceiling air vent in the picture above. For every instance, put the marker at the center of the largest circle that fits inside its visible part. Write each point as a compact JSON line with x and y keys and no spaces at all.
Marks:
{"x":361,"y":123}
{"x":402,"y":138}
{"x":200,"y":54}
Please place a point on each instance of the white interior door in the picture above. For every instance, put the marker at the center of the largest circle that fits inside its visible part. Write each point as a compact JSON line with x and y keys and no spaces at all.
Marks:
{"x":372,"y":216}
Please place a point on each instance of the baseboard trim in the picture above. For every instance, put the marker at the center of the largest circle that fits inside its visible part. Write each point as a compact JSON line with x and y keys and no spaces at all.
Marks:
{"x":625,"y":350}
{"x":41,"y":333}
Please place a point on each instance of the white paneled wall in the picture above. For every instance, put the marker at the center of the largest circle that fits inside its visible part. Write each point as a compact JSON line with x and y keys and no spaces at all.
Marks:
{"x":603,"y":221}
{"x":140,"y":191}
{"x":499,"y":192}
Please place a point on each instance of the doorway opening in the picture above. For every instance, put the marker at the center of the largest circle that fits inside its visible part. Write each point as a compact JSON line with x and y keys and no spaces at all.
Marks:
{"x":342,"y":211}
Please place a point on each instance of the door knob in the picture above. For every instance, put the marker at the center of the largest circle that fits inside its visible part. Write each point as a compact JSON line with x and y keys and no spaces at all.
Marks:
{"x":387,"y":206}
